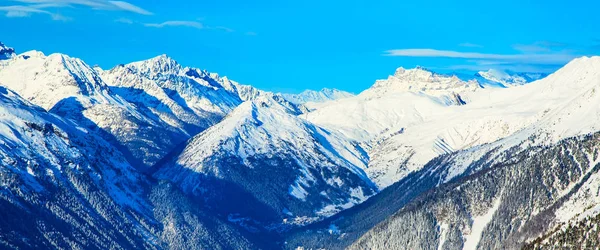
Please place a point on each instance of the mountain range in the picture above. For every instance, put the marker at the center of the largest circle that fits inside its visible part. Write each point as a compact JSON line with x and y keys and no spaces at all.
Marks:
{"x":154,"y":155}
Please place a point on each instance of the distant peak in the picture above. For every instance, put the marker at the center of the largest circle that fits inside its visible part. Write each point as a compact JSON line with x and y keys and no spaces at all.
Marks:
{"x":507,"y":78}
{"x":418,"y":79}
{"x":323,"y":95}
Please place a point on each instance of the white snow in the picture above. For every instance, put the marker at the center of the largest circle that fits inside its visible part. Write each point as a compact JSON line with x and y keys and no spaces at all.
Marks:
{"x":586,"y":201}
{"x":443,"y":234}
{"x":479,"y":223}
{"x":313,"y":98}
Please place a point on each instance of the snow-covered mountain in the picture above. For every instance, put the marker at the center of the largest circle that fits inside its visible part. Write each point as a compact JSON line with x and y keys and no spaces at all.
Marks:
{"x":494,"y":114}
{"x":441,"y":203}
{"x":313,"y":96}
{"x":146,"y":107}
{"x":416,"y":115}
{"x":63,"y":187}
{"x":263,"y":163}
{"x":508,"y":78}
{"x":403,"y":98}
{"x":69,"y":87}
{"x":152,"y":154}
{"x":387,"y":109}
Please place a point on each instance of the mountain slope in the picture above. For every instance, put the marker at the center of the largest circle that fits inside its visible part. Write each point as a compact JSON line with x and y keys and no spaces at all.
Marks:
{"x":262,"y":157}
{"x":508,"y":78}
{"x":57,"y":179}
{"x":64,"y":187}
{"x":488,"y":209}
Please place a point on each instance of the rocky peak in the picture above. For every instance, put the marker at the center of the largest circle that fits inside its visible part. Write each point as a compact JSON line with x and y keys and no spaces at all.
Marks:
{"x":156,"y":66}
{"x":419,"y":79}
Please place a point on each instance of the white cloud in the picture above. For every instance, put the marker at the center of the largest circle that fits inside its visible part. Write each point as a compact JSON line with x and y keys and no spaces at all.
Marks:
{"x":223,"y":29}
{"x":191,"y":24}
{"x":94,"y":4}
{"x":549,"y":58}
{"x":130,"y":7}
{"x":26,"y":11}
{"x":20,"y":11}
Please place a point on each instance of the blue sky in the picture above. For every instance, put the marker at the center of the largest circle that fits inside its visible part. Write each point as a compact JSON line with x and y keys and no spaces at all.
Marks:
{"x":295,"y":45}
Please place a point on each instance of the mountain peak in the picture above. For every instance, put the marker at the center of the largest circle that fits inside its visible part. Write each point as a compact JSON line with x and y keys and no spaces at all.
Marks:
{"x":584,"y":61}
{"x":419,"y":72}
{"x":418,"y":79}
{"x":6,"y":52}
{"x":156,"y":66}
{"x":163,"y":59}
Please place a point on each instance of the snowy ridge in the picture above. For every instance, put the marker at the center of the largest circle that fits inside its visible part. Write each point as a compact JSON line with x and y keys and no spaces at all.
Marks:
{"x":68,"y":87}
{"x":312,"y":96}
{"x":187,"y":99}
{"x":33,"y":75}
{"x":145,"y":107}
{"x":508,"y":78}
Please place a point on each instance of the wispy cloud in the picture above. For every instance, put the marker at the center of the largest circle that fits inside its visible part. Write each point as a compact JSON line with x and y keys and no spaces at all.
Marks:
{"x":251,"y":33}
{"x":222,"y":28}
{"x":191,"y":24}
{"x":470,"y":45}
{"x":93,"y":4}
{"x":542,"y":56}
{"x":130,"y":7}
{"x":26,"y":11}
{"x":552,"y":58}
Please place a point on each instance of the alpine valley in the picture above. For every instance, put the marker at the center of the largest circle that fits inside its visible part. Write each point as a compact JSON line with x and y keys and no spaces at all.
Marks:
{"x":157,"y":155}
